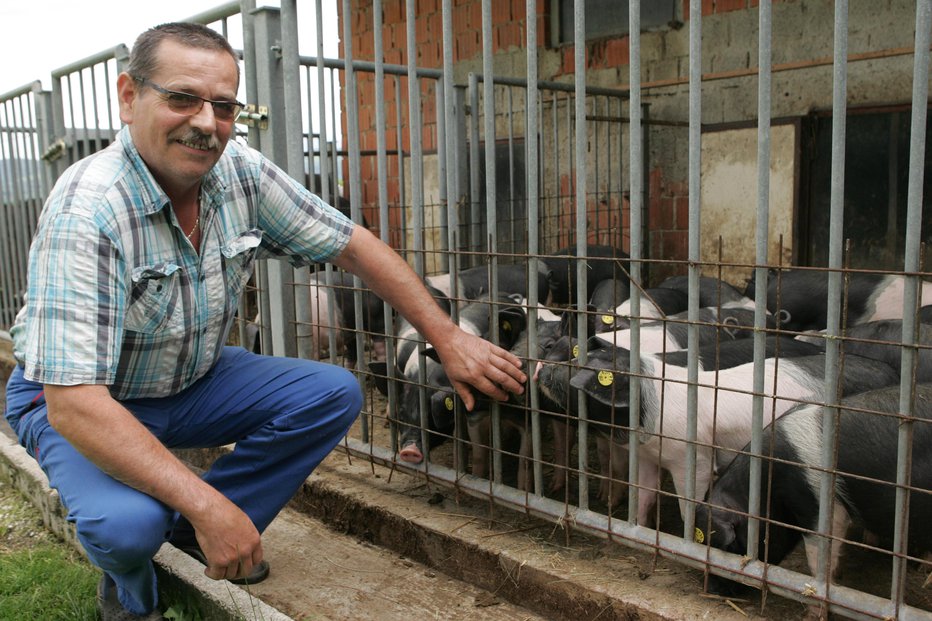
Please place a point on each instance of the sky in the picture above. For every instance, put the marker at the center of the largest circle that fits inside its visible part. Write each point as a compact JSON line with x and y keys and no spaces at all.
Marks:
{"x":38,"y":36}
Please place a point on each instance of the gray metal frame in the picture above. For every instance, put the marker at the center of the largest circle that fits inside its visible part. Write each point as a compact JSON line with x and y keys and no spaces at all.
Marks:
{"x":77,"y":117}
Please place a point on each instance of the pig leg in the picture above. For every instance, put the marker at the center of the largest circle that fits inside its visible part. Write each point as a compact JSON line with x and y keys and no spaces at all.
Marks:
{"x":704,"y":459}
{"x":479,"y":431}
{"x":648,"y":484}
{"x":613,"y":468}
{"x":524,"y":461}
{"x":840,"y":523}
{"x":564,"y":436}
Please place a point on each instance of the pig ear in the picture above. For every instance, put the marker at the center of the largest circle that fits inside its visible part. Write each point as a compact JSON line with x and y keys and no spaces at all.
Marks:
{"x":511,"y":323}
{"x":600,"y":384}
{"x":379,"y":372}
{"x":431,"y":353}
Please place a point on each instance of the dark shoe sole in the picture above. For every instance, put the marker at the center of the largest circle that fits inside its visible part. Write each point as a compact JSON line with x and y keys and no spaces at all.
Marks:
{"x":259,"y":572}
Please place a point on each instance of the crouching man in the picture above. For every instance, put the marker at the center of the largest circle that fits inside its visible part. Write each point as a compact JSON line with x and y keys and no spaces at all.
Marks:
{"x":135,"y":272}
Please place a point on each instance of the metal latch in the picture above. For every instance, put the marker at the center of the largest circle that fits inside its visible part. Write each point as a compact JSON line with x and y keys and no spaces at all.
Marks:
{"x":54,"y":150}
{"x":254,"y":116}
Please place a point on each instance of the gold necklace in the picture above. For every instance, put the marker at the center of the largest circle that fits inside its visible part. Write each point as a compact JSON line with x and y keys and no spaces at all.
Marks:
{"x":197,"y":221}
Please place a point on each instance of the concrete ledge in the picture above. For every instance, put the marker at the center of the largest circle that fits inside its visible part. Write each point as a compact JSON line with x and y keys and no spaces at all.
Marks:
{"x":517,"y":558}
{"x":177,"y":571}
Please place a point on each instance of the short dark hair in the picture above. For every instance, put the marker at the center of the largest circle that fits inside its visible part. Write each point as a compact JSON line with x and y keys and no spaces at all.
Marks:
{"x":143,"y":60}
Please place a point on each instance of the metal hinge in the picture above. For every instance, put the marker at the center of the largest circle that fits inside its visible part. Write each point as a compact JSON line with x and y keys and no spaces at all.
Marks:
{"x":54,"y":150}
{"x":254,"y":116}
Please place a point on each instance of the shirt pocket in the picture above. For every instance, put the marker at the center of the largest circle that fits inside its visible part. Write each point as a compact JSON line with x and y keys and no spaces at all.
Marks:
{"x":153,"y":304}
{"x":238,"y":256}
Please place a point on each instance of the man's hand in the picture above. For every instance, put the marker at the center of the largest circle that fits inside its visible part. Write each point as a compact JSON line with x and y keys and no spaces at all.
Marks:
{"x":229,"y":540}
{"x":473,"y":362}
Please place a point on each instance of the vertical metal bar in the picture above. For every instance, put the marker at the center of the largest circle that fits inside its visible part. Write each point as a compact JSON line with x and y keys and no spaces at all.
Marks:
{"x":475,"y":220}
{"x":273,"y":144}
{"x":417,"y":176}
{"x":399,"y":146}
{"x":914,"y":201}
{"x":695,"y":158}
{"x":760,"y":272}
{"x":491,"y":208}
{"x":635,"y":143}
{"x":579,"y":68}
{"x":532,"y":130}
{"x":445,"y":181}
{"x":839,"y":123}
{"x":294,"y":149}
{"x":511,"y":171}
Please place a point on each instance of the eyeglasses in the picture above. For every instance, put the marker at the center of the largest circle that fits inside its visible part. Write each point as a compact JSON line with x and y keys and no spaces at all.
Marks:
{"x":189,"y":105}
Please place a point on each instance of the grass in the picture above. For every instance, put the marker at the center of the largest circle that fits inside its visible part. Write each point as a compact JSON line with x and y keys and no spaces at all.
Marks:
{"x":42,"y":577}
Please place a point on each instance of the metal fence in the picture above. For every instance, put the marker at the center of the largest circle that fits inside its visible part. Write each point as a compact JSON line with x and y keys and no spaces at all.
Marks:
{"x":515,"y":170}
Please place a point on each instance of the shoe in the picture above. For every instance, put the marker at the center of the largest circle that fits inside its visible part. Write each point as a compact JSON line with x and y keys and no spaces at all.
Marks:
{"x":259,"y":572}
{"x":110,"y":608}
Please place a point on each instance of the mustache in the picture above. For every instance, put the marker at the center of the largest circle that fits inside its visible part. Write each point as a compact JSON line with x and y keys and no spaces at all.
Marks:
{"x":202,"y":141}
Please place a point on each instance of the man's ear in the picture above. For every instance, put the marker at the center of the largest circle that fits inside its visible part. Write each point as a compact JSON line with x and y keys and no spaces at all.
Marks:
{"x":127,"y":89}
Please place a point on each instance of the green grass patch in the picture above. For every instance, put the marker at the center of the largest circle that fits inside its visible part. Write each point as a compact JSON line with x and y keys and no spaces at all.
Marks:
{"x":47,"y":582}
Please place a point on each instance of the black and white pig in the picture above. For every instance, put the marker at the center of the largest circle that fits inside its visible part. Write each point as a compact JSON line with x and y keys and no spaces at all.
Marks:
{"x":555,"y":384}
{"x":656,"y":303}
{"x":474,"y":318}
{"x":865,"y":487}
{"x":473,"y":283}
{"x":713,"y":325}
{"x":712,"y":291}
{"x":801,"y":297}
{"x":514,"y":413}
{"x":602,"y":263}
{"x":723,"y":410}
{"x":882,"y":340}
{"x":608,"y":295}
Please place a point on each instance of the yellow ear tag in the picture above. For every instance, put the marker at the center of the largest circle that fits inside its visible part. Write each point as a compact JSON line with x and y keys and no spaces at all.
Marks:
{"x":608,"y":319}
{"x":606,"y":378}
{"x":575,"y":351}
{"x":506,"y":326}
{"x":699,"y":536}
{"x":448,"y":402}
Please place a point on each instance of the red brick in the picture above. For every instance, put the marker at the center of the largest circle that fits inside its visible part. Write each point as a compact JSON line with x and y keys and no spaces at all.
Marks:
{"x":508,"y":35}
{"x":501,"y":11}
{"x":666,"y":220}
{"x":393,"y":11}
{"x":425,"y":7}
{"x":724,"y":6}
{"x":616,"y":52}
{"x":681,"y":206}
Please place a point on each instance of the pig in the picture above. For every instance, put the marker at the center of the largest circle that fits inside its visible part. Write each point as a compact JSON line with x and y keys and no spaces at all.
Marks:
{"x":724,"y":408}
{"x":555,"y":384}
{"x":474,"y":318}
{"x":473,"y":282}
{"x":512,"y":413}
{"x":602,"y":262}
{"x":606,"y":297}
{"x":342,"y":289}
{"x":864,"y":491}
{"x":713,"y":325}
{"x":881,"y":340}
{"x":712,"y":291}
{"x":803,"y":296}
{"x":655,"y":304}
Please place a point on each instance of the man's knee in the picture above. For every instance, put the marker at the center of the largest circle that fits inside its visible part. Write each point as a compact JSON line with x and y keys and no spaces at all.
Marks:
{"x":129,"y":534}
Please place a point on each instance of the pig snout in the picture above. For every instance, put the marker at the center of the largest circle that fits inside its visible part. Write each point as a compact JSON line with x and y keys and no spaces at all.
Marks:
{"x":411,"y":454}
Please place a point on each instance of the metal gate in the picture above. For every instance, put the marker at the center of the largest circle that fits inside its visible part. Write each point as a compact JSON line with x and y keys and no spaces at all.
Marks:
{"x":462,"y":168}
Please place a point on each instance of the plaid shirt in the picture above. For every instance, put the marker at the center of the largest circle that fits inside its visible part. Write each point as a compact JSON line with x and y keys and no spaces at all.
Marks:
{"x":118,"y":296}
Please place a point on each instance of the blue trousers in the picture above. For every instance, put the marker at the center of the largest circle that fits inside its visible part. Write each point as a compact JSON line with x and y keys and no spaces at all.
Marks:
{"x":283,"y":414}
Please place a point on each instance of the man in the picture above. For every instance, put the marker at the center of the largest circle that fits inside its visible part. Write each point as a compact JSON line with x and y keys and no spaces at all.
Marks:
{"x":135,"y":271}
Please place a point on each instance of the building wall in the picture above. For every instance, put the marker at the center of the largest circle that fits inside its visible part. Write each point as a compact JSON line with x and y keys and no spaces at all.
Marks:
{"x":880,"y":40}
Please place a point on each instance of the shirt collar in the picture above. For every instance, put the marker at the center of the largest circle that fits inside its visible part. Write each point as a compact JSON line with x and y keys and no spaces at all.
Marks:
{"x":152,"y":196}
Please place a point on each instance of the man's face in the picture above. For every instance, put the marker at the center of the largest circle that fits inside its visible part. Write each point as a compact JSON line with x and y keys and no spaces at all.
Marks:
{"x":179,"y":149}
